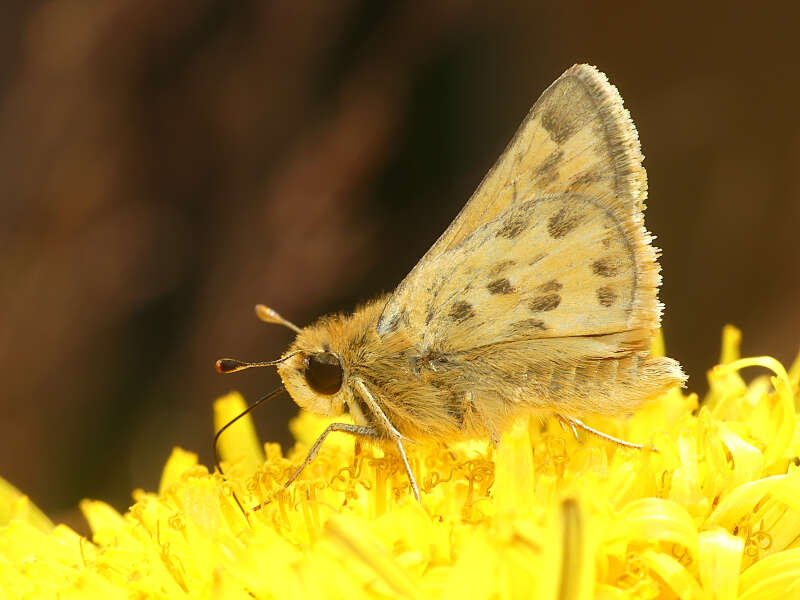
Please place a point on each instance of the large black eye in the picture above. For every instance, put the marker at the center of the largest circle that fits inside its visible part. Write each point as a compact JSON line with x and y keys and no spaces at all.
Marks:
{"x":324,"y":373}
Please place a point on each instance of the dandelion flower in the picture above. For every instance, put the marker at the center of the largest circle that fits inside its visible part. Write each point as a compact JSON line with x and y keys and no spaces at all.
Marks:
{"x":713,"y":513}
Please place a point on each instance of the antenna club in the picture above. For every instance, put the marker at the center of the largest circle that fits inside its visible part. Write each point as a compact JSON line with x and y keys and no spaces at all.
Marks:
{"x":267,"y":314}
{"x":227,"y":365}
{"x":270,"y":315}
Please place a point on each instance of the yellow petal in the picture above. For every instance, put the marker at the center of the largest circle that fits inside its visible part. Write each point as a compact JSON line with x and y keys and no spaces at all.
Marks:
{"x":108,"y":526}
{"x":719,"y":563}
{"x":239,"y":442}
{"x":14,"y":505}
{"x":577,"y":576}
{"x":748,"y":462}
{"x":656,"y":520}
{"x":514,"y":488}
{"x":178,"y":463}
{"x":477,"y":556}
{"x":740,"y":501}
{"x":783,"y":388}
{"x":362,"y":546}
{"x":674,"y":574}
{"x":775,"y":577}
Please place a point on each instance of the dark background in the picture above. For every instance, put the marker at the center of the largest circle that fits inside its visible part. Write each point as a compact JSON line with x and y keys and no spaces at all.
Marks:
{"x":166,"y":165}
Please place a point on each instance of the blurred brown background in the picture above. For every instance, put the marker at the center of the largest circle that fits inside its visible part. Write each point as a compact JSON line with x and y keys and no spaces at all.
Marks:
{"x":166,"y":165}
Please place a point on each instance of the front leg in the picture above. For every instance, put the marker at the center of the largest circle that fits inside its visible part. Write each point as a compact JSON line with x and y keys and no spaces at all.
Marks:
{"x":357,"y":430}
{"x":396,"y":436}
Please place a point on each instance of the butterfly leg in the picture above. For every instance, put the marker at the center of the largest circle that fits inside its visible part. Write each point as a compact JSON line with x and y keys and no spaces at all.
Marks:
{"x":357,"y":430}
{"x":571,"y":426}
{"x":409,"y":472}
{"x":396,"y":436}
{"x":573,"y":423}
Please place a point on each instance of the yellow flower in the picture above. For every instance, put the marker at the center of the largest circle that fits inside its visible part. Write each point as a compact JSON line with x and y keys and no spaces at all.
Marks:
{"x":713,"y":514}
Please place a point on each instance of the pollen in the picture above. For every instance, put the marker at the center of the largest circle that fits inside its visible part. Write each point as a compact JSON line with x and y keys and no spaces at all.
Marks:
{"x":712,"y":513}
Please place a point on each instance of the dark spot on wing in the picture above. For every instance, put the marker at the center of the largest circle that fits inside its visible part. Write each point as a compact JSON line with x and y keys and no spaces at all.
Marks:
{"x":393,"y":324}
{"x":561,"y":223}
{"x":401,"y":318}
{"x":527,"y":324}
{"x":499,"y":267}
{"x":550,"y":286}
{"x":461,"y":311}
{"x":606,"y":296}
{"x":558,"y":125}
{"x":547,"y":171}
{"x":563,"y":118}
{"x":512,"y":227}
{"x":544,"y":303}
{"x":500,"y":286}
{"x":582,"y":180}
{"x":605,"y":267}
{"x":536,"y":259}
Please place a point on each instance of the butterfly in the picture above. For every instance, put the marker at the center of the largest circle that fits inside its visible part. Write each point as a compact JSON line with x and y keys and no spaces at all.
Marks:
{"x":541,"y":296}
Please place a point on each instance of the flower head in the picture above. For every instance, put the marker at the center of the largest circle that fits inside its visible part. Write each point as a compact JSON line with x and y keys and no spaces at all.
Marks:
{"x":714,"y":512}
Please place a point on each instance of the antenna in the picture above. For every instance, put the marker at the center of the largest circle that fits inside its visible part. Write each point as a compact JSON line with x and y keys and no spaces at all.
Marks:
{"x":270,"y":315}
{"x":231,"y":365}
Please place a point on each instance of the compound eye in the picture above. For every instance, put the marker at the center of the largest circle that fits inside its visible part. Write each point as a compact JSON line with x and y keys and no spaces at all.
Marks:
{"x":324,"y":373}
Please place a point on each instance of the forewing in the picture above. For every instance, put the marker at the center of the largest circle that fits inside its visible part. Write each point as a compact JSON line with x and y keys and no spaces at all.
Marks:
{"x":552,"y":243}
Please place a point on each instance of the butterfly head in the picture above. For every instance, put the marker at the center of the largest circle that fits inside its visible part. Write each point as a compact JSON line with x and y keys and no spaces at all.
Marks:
{"x":312,"y":370}
{"x":315,"y":377}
